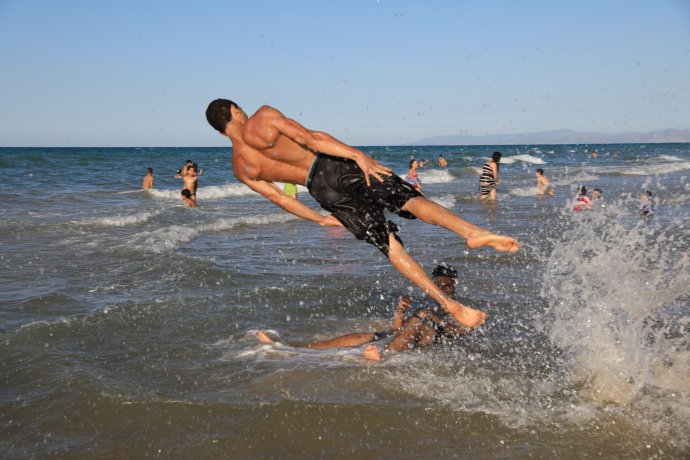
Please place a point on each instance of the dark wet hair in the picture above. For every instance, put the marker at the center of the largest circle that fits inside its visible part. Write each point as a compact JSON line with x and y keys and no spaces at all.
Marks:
{"x":445,"y":270}
{"x":149,"y":170}
{"x":598,"y":190}
{"x":583,"y":190}
{"x":497,"y":159}
{"x":648,"y":193}
{"x":540,"y":171}
{"x":218,"y":114}
{"x":186,"y":193}
{"x":412,"y":161}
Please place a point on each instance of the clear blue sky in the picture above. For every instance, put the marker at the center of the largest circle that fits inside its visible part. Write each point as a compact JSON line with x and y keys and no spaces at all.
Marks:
{"x":386,"y":72}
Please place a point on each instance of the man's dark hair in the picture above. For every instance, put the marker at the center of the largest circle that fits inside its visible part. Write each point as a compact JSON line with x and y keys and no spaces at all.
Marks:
{"x":540,"y":171}
{"x":149,"y":170}
{"x":583,"y":190}
{"x":445,"y":270}
{"x":218,"y":114}
{"x":648,"y":193}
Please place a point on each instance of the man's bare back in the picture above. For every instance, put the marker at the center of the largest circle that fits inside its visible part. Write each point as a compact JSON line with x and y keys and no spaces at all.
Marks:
{"x":261,"y":152}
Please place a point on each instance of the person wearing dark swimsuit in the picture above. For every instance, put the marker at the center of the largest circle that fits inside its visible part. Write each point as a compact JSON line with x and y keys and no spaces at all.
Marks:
{"x":422,"y":327}
{"x":489,"y":178}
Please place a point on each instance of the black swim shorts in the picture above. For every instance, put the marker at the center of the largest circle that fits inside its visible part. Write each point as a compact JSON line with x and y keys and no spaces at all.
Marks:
{"x":340,"y":188}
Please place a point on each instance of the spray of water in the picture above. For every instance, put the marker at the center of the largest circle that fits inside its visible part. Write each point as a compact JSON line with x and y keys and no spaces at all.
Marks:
{"x":618,"y":296}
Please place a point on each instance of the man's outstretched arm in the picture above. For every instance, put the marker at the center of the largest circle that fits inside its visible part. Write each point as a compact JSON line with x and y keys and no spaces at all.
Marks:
{"x":271,"y":192}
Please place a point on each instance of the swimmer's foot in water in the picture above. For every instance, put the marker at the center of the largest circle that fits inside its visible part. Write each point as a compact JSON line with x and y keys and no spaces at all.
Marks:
{"x":373,"y":353}
{"x":263,"y":338}
{"x":498,"y":242}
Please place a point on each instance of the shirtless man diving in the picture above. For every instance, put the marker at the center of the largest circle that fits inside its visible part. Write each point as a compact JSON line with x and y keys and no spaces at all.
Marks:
{"x":269,"y":147}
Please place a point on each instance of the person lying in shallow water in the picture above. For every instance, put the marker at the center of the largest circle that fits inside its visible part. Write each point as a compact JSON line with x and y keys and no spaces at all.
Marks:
{"x":423,"y":327}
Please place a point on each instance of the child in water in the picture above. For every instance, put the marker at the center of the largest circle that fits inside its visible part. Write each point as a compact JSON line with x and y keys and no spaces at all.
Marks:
{"x":582,"y":201}
{"x":646,"y":210}
{"x":543,"y":186}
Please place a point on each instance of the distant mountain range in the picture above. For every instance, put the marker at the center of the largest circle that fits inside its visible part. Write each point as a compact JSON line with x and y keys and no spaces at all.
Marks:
{"x":562,"y":136}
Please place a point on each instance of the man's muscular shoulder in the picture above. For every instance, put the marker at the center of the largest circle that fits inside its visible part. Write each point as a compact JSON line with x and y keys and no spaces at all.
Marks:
{"x":260,"y":130}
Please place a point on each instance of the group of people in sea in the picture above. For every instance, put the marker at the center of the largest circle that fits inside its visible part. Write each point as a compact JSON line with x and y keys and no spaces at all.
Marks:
{"x":189,"y":174}
{"x":488,"y":183}
{"x":412,"y":176}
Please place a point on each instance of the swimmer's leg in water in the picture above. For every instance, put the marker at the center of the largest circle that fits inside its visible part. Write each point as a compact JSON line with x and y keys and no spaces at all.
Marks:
{"x":354,"y":339}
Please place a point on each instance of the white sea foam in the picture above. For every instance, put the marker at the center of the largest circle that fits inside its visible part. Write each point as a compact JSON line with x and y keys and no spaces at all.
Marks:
{"x":119,"y":220}
{"x":618,"y":308}
{"x":670,"y":158}
{"x":525,"y":158}
{"x":654,"y":169}
{"x":580,"y":178}
{"x":477,"y":170}
{"x":436,"y":176}
{"x":523,"y":191}
{"x":171,"y":237}
{"x":207,"y":193}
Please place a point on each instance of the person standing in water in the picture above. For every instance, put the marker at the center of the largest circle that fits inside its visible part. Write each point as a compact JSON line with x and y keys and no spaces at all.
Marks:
{"x":148,"y":179}
{"x":269,"y":147}
{"x":489,"y":178}
{"x":187,"y":198}
{"x":412,"y":176}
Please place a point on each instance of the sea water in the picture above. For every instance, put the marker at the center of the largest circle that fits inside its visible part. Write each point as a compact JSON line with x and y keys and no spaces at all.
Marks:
{"x":128,"y":321}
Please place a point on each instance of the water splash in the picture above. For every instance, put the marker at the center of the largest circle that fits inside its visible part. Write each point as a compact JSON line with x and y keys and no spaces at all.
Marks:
{"x":619,"y":308}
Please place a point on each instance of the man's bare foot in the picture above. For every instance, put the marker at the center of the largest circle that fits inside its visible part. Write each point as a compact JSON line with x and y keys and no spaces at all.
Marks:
{"x":498,"y":242}
{"x":263,"y":338}
{"x":466,"y":316}
{"x":470,"y":317}
{"x":373,"y":353}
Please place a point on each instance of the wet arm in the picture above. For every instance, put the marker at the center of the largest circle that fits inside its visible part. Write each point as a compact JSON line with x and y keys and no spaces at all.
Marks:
{"x":271,"y":192}
{"x":403,"y":304}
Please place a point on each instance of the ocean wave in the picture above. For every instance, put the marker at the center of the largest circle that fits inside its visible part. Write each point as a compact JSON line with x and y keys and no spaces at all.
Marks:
{"x":171,"y":237}
{"x":525,"y":158}
{"x":523,"y":191}
{"x":477,"y":170}
{"x":119,"y":220}
{"x":436,"y":176}
{"x":576,"y":179}
{"x":655,"y":169}
{"x":206,"y":193}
